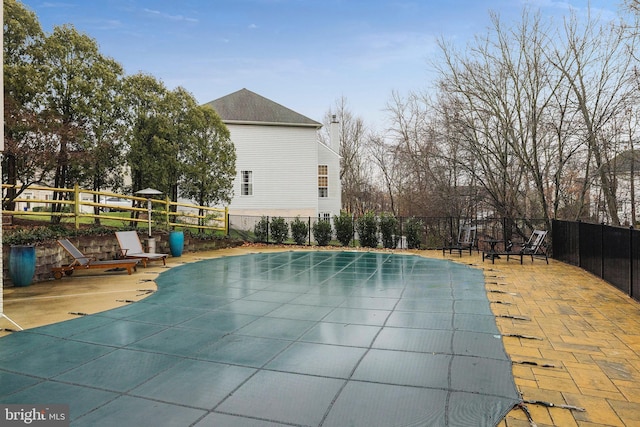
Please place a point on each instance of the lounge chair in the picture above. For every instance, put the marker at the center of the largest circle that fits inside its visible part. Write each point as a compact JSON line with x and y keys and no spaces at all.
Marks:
{"x":131,"y":248}
{"x":534,"y":247}
{"x":466,"y":241}
{"x":80,"y":261}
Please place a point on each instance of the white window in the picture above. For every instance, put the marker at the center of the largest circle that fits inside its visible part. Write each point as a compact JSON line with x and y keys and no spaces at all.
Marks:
{"x":247,"y":183}
{"x":324,"y":216}
{"x":323,"y":181}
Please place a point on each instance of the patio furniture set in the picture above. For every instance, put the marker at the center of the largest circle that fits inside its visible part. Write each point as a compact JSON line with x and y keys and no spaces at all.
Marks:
{"x":467,"y":240}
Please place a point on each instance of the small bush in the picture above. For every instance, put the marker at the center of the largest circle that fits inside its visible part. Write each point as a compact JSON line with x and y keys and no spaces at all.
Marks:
{"x":279,"y":230}
{"x":261,"y":230}
{"x":413,"y":229}
{"x":367,"y":228}
{"x":40,"y":234}
{"x":322,"y":232}
{"x":299,"y":231}
{"x":389,"y":231}
{"x":32,"y":236}
{"x":344,"y":228}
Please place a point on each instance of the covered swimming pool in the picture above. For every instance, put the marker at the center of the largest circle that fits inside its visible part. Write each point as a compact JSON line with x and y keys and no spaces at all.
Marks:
{"x":313,"y":338}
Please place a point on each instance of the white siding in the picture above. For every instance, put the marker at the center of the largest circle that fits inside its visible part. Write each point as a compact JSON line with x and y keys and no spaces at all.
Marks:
{"x":284,"y":164}
{"x":333,"y":203}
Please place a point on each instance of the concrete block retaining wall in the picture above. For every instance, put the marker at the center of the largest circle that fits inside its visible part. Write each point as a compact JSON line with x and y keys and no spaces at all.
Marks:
{"x":51,"y":254}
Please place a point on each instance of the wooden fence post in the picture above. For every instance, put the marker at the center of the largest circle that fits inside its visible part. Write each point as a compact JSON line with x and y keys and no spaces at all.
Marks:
{"x":631,"y":261}
{"x":226,"y":220}
{"x":76,"y":205}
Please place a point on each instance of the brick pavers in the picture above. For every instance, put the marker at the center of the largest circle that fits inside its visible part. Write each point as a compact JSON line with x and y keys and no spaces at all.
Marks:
{"x":576,"y":341}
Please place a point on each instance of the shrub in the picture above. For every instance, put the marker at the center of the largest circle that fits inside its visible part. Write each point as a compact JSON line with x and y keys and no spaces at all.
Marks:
{"x":279,"y":230}
{"x":413,"y":229}
{"x":389,"y":231}
{"x":33,"y":236}
{"x":41,"y":234}
{"x":344,"y":228}
{"x":299,"y":231}
{"x":261,"y":230}
{"x":367,"y":228}
{"x":322,"y":232}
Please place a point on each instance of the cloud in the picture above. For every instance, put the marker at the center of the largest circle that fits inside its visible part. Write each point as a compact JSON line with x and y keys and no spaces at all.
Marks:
{"x":579,"y":8}
{"x":52,"y":5}
{"x":168,"y":16}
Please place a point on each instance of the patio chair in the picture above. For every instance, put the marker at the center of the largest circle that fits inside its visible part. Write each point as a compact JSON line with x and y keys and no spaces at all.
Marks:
{"x":131,"y":248}
{"x":535,"y":246}
{"x":466,"y":241}
{"x":80,"y":261}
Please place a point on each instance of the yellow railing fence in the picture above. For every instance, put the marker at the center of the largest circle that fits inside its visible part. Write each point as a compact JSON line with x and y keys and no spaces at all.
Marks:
{"x":78,"y":203}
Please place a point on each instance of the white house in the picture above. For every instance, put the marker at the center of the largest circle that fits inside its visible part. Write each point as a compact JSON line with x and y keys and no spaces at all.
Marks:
{"x":282,"y":168}
{"x":626,"y":168}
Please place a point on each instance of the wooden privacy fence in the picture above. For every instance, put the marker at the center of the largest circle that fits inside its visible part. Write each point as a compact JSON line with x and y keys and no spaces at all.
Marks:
{"x":78,"y":203}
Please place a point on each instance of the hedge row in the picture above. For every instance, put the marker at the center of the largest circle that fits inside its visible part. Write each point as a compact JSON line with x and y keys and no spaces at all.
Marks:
{"x":371,"y":230}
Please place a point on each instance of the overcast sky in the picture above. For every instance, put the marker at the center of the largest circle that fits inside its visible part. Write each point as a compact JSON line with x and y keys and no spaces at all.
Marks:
{"x":304,"y":54}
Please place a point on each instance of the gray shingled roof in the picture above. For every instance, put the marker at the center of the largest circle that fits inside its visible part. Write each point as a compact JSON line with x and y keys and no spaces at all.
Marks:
{"x":245,"y":106}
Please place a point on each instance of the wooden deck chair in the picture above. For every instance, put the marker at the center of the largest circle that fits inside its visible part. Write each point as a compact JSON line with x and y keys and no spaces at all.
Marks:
{"x":80,"y":261}
{"x":131,"y":248}
{"x":466,"y":241}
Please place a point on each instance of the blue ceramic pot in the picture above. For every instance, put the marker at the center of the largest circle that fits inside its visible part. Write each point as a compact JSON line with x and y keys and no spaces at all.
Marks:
{"x":176,"y":243}
{"x":22,"y":264}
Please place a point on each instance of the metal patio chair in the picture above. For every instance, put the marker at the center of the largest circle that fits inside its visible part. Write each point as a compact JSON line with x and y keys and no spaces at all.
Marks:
{"x":466,"y":241}
{"x":536,"y":246}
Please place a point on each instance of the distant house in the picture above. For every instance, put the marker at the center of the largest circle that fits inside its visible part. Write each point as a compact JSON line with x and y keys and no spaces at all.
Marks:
{"x":282,"y":168}
{"x":625,"y":167}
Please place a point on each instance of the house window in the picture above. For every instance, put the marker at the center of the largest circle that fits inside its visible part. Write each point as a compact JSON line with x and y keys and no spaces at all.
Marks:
{"x":247,"y":183}
{"x":323,"y":181}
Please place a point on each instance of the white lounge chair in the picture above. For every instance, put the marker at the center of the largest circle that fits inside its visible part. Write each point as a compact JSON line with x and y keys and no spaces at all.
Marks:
{"x":130,"y":247}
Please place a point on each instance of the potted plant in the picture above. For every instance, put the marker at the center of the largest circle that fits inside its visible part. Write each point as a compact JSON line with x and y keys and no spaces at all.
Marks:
{"x":22,"y":264}
{"x":176,"y":242}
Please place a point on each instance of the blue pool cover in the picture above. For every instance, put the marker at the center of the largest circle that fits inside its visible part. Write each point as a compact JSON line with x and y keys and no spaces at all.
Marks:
{"x":278,"y":339}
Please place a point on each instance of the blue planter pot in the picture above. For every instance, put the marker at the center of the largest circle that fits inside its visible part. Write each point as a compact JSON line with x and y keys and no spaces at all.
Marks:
{"x":22,"y":264}
{"x":176,"y":243}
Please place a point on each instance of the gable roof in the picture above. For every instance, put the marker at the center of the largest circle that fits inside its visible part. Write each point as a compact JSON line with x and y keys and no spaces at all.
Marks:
{"x":625,"y":161}
{"x":246,"y":107}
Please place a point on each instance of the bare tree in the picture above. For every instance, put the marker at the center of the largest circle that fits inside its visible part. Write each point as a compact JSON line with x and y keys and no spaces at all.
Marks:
{"x":354,"y":167}
{"x":527,"y":111}
{"x":596,"y":66}
{"x":423,"y":176}
{"x":478,"y":88}
{"x":383,"y":156}
{"x":458,"y":187}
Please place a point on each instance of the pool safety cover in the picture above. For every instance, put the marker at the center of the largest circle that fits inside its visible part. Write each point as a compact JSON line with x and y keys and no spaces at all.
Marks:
{"x":315,"y":338}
